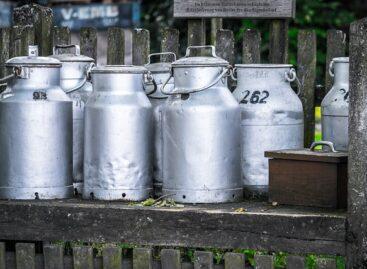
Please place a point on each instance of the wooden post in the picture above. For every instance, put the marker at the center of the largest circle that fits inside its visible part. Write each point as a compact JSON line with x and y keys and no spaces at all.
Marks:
{"x":196,"y":34}
{"x":234,"y":260}
{"x":264,"y":261}
{"x":141,"y":46}
{"x":112,"y":257}
{"x":41,"y":18}
{"x":83,"y":257}
{"x":53,"y":256}
{"x":278,"y":43}
{"x":251,"y":47}
{"x":203,"y":260}
{"x":2,"y":255}
{"x":61,"y":36}
{"x":170,"y":259}
{"x":170,"y":42}
{"x":5,"y":34}
{"x":88,"y":42}
{"x":116,"y":46}
{"x":25,"y":256}
{"x":21,"y":38}
{"x":306,"y":60}
{"x":216,"y":25}
{"x":336,"y":47}
{"x":142,"y":258}
{"x":225,"y":45}
{"x":357,"y":169}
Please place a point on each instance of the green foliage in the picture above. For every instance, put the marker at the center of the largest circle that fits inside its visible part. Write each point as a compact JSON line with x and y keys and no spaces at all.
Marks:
{"x":280,"y":260}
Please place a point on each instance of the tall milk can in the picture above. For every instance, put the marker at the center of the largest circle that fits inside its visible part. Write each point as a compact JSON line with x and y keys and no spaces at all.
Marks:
{"x":74,"y":81}
{"x":271,"y":119}
{"x":36,"y":133}
{"x":161,"y":71}
{"x":118,"y":129}
{"x":201,"y":135}
{"x":335,"y":105}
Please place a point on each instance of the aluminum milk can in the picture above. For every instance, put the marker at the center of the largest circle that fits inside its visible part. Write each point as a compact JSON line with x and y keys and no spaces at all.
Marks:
{"x":118,"y":132}
{"x":36,"y":133}
{"x":74,"y":81}
{"x":334,"y":107}
{"x":201,"y":134}
{"x":161,"y":71}
{"x":271,"y":119}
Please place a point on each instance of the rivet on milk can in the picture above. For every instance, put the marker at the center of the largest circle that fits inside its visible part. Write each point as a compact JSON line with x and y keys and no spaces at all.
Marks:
{"x":335,"y":105}
{"x":74,"y":81}
{"x":271,"y":119}
{"x":36,"y":133}
{"x":201,"y":134}
{"x":118,"y":132}
{"x":161,"y":71}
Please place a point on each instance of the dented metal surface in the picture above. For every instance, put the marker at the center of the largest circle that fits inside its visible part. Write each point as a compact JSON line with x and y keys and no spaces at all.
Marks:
{"x":118,"y":129}
{"x":271,"y":119}
{"x":201,"y":134}
{"x":335,"y":105}
{"x":36,"y":138}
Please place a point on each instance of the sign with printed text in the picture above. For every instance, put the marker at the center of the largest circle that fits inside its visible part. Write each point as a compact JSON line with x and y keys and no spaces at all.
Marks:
{"x":265,"y":9}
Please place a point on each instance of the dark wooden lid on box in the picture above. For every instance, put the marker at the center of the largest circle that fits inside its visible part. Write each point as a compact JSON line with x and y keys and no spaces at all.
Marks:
{"x":309,"y":155}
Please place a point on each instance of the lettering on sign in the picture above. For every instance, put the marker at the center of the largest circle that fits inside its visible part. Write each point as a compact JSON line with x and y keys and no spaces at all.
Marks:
{"x":234,"y":8}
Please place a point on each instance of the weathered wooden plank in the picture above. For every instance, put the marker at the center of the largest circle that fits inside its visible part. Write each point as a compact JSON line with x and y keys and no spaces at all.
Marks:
{"x":278,"y":43}
{"x":357,"y":184}
{"x":264,"y":262}
{"x":116,"y":46}
{"x":225,"y":45}
{"x":170,"y":259}
{"x":170,"y":42}
{"x":112,"y":257}
{"x":21,"y":38}
{"x":61,"y":36}
{"x":88,"y":42}
{"x":196,"y":32}
{"x":53,"y":256}
{"x":335,"y":47}
{"x":234,"y":260}
{"x":234,"y":9}
{"x":142,"y":258}
{"x":2,"y":256}
{"x":41,"y":18}
{"x":216,"y":24}
{"x":295,"y":262}
{"x":325,"y":263}
{"x":187,"y":265}
{"x":306,"y":62}
{"x":251,"y":53}
{"x":203,"y":260}
{"x":25,"y":256}
{"x":83,"y":257}
{"x":141,"y":46}
{"x":5,"y":34}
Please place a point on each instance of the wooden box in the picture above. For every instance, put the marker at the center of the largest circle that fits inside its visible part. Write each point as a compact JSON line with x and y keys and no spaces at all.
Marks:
{"x":308,"y":178}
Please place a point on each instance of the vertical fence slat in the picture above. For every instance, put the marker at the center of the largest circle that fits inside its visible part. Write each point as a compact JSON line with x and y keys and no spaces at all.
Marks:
{"x":25,"y":256}
{"x":306,"y":60}
{"x":295,"y":262}
{"x":21,"y":38}
{"x":234,"y":260}
{"x":88,"y":42}
{"x":170,"y":259}
{"x":196,"y":32}
{"x":203,"y":260}
{"x":216,"y":24}
{"x":112,"y":257}
{"x":264,"y":262}
{"x":142,"y":258}
{"x":83,"y":257}
{"x":116,"y":46}
{"x":357,"y":204}
{"x":2,"y":256}
{"x":170,"y":42}
{"x":325,"y":263}
{"x":278,"y":43}
{"x":251,"y":53}
{"x":335,"y":47}
{"x":4,"y":49}
{"x":41,"y":18}
{"x":53,"y":256}
{"x":61,"y":36}
{"x":141,"y":46}
{"x":225,"y":45}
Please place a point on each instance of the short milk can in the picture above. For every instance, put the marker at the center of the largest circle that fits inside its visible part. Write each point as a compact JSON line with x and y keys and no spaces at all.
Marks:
{"x":118,"y":130}
{"x":74,"y":81}
{"x":271,"y":119}
{"x":36,"y":133}
{"x":161,"y":71}
{"x":201,"y":134}
{"x":335,"y":105}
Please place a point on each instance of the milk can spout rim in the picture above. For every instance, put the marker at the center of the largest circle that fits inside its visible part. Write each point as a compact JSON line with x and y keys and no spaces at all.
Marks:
{"x":263,"y":65}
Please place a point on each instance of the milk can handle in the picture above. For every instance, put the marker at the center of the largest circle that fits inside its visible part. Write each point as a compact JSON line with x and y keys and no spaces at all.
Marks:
{"x":201,"y":47}
{"x":86,"y":77}
{"x":150,"y":78}
{"x":17,"y":70}
{"x":291,"y":76}
{"x":56,"y":47}
{"x":161,"y":54}
{"x":323,"y":143}
{"x":331,"y":69}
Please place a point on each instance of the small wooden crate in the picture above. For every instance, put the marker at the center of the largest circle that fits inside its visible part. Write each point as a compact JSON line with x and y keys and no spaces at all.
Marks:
{"x":308,"y":178}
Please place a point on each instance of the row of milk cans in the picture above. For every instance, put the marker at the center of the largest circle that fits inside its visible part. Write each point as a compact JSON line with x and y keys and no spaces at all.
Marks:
{"x":111,"y":131}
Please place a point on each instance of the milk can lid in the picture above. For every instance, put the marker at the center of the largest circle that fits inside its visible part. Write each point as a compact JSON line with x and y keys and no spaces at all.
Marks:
{"x":33,"y":60}
{"x":192,"y":61}
{"x":120,"y":69}
{"x":341,"y":60}
{"x":69,"y":57}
